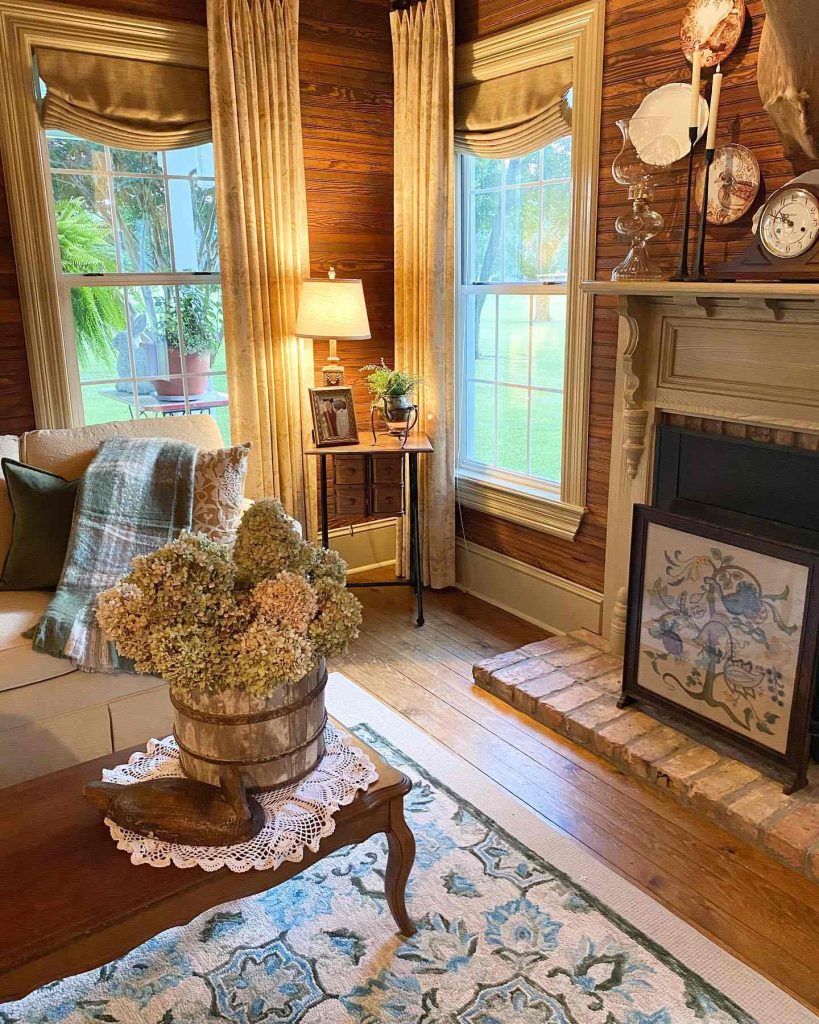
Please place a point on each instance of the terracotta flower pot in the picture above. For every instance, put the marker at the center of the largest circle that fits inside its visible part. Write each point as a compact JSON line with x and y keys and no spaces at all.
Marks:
{"x":273,"y":741}
{"x":195,"y":364}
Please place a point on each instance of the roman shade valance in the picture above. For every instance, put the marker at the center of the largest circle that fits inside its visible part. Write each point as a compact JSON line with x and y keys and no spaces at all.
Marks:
{"x":513,"y":115}
{"x":130,"y":104}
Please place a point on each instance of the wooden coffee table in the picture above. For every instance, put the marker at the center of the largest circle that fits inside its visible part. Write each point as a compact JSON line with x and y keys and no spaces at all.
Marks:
{"x":72,"y":901}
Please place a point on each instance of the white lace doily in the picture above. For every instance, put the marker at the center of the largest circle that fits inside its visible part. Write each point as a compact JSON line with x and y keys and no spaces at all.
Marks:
{"x":299,"y":816}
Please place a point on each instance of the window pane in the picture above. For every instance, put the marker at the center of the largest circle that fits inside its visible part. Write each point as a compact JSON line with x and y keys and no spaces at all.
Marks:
{"x":547,"y":432}
{"x":549,"y":341}
{"x":66,"y":151}
{"x":479,"y":335}
{"x":219,"y":409}
{"x":554,"y":242}
{"x":486,"y":239}
{"x":105,"y":403}
{"x":522,"y":220}
{"x":557,"y":159}
{"x":522,"y":169}
{"x":135,"y":161}
{"x":513,"y":338}
{"x":82,"y":211}
{"x":155,"y":333}
{"x":193,"y":220}
{"x":193,"y":160}
{"x":513,"y":428}
{"x":486,"y":173}
{"x":100,"y":333}
{"x":480,"y":420}
{"x":142,"y":224}
{"x":202,"y":326}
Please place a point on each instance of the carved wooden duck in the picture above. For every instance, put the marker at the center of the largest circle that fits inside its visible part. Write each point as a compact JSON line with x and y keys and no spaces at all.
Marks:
{"x":182,"y":810}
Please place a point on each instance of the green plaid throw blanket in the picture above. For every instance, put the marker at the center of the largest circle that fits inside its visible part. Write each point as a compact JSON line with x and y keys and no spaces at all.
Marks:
{"x":136,"y":495}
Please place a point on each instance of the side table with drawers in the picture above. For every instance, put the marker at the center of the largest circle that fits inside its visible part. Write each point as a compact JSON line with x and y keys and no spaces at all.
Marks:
{"x":371,"y":480}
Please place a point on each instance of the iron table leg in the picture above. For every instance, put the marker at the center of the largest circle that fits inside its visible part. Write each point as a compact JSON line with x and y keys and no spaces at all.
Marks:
{"x":325,"y":527}
{"x":415,"y":538}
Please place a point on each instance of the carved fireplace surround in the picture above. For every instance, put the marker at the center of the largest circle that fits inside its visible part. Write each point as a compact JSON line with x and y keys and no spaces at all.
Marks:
{"x":739,"y":353}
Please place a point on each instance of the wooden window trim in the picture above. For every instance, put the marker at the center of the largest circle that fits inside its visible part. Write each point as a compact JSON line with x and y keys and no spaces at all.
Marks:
{"x":24,"y":25}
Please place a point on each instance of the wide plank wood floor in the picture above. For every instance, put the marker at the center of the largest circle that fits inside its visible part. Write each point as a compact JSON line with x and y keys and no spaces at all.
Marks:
{"x":763,"y":913}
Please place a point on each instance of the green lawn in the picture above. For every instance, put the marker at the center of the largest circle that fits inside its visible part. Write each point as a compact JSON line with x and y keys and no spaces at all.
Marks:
{"x":511,"y":404}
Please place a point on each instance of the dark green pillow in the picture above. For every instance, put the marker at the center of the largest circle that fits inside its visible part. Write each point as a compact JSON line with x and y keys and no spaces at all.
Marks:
{"x":43,"y":507}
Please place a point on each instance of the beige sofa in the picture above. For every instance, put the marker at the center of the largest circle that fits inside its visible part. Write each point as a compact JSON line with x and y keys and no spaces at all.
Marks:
{"x":51,"y":715}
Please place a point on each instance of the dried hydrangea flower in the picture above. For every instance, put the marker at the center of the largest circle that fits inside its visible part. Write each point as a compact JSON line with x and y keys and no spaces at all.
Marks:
{"x":187,"y":612}
{"x":267,"y":542}
{"x":289,"y":601}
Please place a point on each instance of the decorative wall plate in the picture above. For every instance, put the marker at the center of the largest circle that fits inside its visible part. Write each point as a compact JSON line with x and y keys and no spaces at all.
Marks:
{"x":716,"y":25}
{"x":733,"y":184}
{"x":662,"y":137}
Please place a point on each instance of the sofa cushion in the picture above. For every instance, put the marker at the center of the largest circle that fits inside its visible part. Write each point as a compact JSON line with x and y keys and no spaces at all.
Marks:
{"x":9,"y":449}
{"x":68,"y":452}
{"x":43,"y":507}
{"x":19,"y":664}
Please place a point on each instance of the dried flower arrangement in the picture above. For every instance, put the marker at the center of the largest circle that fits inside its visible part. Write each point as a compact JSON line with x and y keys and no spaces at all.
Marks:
{"x":204,"y":617}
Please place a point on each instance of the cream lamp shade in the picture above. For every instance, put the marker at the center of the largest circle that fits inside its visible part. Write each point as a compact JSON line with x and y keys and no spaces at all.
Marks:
{"x":331,"y":307}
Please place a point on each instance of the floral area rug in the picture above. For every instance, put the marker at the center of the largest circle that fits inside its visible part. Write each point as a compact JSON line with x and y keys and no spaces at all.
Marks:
{"x":503,"y":938}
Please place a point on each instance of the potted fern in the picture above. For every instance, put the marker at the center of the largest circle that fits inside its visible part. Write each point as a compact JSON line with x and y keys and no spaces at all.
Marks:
{"x":392,"y":392}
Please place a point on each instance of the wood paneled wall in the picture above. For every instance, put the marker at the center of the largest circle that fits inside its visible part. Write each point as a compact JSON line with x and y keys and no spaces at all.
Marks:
{"x":642,"y":52}
{"x":346,"y":89}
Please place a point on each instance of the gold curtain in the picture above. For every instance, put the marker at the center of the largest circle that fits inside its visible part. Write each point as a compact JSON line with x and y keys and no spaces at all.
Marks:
{"x":129,"y":104}
{"x":262,"y":204}
{"x":423,"y":66}
{"x":515,"y":114}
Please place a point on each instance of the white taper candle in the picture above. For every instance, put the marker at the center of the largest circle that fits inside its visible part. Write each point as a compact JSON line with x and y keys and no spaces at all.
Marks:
{"x":716,"y":90}
{"x":694,"y":113}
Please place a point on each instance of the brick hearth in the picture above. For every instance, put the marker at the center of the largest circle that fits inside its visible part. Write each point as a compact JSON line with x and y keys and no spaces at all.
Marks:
{"x":571,"y":684}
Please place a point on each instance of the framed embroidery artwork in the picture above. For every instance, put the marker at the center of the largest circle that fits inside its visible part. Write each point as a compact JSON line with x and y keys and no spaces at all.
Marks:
{"x":722,"y":628}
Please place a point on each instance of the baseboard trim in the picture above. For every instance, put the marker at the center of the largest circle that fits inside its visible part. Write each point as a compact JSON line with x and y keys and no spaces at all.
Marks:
{"x":368,"y":546}
{"x":555,"y":604}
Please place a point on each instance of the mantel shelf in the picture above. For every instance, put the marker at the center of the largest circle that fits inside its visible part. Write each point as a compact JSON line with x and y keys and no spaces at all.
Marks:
{"x":705,"y":289}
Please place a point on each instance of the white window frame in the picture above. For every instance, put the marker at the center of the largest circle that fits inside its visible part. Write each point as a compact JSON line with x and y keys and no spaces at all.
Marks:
{"x":118,"y":279}
{"x":24,"y":25}
{"x":576,"y":33}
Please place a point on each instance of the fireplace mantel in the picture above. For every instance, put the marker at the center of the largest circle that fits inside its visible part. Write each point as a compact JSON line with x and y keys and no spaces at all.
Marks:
{"x":705,"y":289}
{"x":735,"y":352}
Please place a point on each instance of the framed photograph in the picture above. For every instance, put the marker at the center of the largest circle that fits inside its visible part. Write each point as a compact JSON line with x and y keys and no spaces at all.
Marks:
{"x":722,"y":628}
{"x":333,"y":416}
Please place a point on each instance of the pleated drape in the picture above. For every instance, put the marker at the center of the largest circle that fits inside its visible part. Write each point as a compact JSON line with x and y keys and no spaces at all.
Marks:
{"x":128,"y":104}
{"x":515,"y":114}
{"x":256,"y":115}
{"x":423,"y":65}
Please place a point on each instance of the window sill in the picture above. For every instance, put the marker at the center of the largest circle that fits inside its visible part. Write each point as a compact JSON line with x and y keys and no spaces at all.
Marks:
{"x":541,"y":513}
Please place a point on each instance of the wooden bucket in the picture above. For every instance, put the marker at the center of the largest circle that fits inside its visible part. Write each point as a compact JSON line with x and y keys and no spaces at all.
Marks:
{"x":273,"y":741}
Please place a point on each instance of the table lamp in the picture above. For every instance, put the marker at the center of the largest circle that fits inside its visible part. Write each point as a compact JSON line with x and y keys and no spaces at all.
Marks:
{"x":332,"y":308}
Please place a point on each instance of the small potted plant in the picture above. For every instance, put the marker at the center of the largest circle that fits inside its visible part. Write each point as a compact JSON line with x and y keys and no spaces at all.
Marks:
{"x":200,"y":315}
{"x":392,"y":392}
{"x":241,"y":637}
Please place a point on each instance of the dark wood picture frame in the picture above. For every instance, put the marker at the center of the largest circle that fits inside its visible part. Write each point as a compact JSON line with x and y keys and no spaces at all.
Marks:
{"x":322,"y":436}
{"x":796,"y":756}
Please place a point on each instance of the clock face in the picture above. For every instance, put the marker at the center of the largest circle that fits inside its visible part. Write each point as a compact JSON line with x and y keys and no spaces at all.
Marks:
{"x":790,"y":223}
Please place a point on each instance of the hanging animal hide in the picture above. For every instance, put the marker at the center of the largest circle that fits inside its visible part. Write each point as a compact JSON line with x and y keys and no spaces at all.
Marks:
{"x":788,"y":73}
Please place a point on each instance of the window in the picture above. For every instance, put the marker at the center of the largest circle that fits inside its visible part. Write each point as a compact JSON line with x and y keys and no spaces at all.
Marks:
{"x":527,"y":230}
{"x":138,"y":269}
{"x":516,"y":216}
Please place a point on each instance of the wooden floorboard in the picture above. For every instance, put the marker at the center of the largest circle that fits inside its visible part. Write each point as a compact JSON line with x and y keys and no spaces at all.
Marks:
{"x":763,"y":913}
